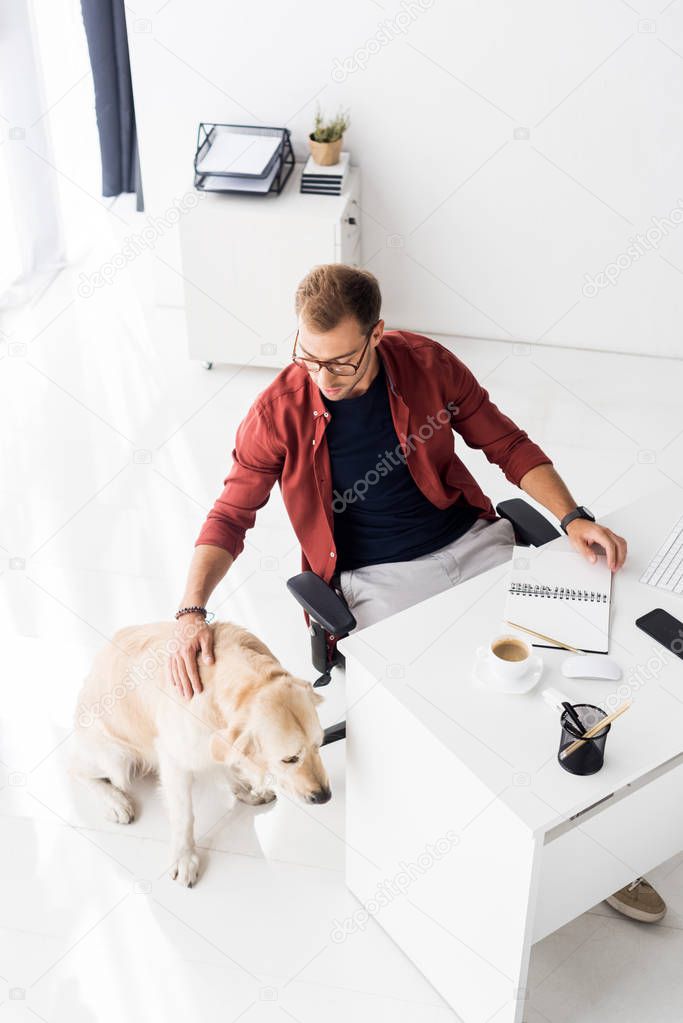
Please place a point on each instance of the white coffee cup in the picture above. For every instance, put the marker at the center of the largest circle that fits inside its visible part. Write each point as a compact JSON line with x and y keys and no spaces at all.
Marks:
{"x":509,"y":657}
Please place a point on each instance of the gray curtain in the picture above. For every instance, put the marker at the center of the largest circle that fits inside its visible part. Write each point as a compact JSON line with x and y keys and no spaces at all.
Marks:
{"x":105,"y":28}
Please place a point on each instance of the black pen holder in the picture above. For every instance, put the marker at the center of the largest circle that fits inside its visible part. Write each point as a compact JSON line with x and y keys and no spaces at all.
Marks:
{"x":590,"y":756}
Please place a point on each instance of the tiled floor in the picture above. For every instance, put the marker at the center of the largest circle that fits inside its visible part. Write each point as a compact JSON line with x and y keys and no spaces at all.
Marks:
{"x":113,"y":448}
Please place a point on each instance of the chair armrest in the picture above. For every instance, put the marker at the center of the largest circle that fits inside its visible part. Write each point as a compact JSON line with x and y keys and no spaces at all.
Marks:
{"x":531,"y":528}
{"x":322,"y":603}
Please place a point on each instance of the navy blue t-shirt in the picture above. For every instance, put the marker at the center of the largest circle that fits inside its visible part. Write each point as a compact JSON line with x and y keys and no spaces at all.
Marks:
{"x":380,"y":514}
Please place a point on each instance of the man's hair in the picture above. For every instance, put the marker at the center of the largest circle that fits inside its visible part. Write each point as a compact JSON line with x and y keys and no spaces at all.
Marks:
{"x":331,"y":292}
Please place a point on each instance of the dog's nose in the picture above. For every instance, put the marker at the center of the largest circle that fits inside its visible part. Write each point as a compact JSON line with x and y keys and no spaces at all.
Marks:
{"x":320,"y":796}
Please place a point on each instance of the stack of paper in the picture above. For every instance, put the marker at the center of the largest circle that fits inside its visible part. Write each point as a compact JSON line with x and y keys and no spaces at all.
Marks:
{"x":240,"y":155}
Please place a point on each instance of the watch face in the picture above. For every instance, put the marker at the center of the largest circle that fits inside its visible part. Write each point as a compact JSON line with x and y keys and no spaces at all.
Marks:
{"x":587,"y":511}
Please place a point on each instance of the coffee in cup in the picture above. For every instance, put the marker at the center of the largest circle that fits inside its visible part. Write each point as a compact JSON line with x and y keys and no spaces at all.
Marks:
{"x":510,"y":656}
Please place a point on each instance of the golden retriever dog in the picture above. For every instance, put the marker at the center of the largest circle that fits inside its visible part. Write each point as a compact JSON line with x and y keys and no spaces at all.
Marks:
{"x":253,"y":717}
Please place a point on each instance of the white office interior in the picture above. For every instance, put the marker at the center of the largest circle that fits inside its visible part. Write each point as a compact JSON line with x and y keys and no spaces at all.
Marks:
{"x":514,"y":185}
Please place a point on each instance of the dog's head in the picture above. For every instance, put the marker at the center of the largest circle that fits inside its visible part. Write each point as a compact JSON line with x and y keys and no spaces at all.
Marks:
{"x":274,"y":740}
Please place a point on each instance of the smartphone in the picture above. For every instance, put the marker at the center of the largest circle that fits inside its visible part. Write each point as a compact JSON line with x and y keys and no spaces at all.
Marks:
{"x":663,"y":627}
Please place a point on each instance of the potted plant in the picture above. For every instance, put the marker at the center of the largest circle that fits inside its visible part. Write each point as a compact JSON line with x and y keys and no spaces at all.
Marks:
{"x":326,"y":139}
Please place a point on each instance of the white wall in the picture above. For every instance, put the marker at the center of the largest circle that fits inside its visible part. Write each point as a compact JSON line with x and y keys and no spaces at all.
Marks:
{"x":507,"y":149}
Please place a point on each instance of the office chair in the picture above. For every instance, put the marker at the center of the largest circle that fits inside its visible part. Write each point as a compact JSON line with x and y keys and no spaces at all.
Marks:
{"x":331,"y":620}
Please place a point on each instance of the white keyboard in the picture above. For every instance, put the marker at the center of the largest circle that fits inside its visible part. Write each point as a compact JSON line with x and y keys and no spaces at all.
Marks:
{"x":665,"y":569}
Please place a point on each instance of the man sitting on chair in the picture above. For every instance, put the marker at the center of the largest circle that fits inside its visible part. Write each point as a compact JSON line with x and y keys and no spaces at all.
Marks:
{"x":358,"y":433}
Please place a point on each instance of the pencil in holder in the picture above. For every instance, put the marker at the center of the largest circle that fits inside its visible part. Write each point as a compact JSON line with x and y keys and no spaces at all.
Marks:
{"x":590,"y":756}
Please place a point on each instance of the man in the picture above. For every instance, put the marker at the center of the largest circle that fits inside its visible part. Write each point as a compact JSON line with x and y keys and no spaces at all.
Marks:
{"x":358,"y":433}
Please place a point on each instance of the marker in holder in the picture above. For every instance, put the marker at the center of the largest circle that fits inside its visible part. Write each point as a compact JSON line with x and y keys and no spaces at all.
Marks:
{"x":590,"y":756}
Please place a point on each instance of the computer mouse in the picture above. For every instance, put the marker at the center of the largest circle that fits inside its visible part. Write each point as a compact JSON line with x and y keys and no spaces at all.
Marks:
{"x":591,"y":666}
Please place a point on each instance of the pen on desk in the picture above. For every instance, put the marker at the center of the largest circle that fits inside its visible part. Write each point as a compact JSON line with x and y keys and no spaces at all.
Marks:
{"x":595,"y":730}
{"x":548,"y":639}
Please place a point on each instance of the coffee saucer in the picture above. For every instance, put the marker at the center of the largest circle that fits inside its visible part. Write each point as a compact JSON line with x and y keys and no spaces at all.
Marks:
{"x":484,"y":676}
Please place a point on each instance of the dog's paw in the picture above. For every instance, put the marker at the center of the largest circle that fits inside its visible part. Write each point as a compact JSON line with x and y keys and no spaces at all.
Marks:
{"x":186,"y":868}
{"x":255,"y":797}
{"x":119,"y":807}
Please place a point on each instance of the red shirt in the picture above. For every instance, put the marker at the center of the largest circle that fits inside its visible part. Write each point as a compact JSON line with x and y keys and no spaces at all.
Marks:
{"x":282,"y":440}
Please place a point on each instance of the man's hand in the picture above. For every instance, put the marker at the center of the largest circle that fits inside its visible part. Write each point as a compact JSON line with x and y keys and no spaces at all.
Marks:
{"x":583,"y":533}
{"x":193,"y":636}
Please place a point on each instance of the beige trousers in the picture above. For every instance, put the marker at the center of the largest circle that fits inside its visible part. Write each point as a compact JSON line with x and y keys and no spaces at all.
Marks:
{"x":377,"y":591}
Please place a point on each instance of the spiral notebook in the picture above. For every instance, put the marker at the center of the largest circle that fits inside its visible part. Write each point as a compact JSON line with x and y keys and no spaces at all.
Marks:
{"x":558,"y":592}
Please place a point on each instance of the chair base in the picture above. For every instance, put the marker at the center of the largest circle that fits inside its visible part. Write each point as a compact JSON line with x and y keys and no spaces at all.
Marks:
{"x":333,"y":733}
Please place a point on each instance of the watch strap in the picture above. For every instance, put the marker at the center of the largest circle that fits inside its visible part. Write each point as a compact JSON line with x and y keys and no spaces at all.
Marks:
{"x":577,"y":513}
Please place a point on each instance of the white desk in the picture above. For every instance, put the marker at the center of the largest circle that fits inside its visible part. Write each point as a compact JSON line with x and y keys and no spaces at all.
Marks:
{"x":430,"y":756}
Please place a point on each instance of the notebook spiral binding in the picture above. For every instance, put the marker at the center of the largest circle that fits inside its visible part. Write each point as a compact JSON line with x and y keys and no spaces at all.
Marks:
{"x":556,"y":593}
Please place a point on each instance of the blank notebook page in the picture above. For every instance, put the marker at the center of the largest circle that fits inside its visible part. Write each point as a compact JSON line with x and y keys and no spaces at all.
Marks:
{"x":559,"y":593}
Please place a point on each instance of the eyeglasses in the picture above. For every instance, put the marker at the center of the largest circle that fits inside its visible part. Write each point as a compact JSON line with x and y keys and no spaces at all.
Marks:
{"x":339,"y":369}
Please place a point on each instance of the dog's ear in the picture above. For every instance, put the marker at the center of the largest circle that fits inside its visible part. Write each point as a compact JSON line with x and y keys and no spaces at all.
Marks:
{"x":229,"y":744}
{"x":314,"y":695}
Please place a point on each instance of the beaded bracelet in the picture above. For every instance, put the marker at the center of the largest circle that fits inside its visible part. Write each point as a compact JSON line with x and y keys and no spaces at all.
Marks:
{"x":208,"y":616}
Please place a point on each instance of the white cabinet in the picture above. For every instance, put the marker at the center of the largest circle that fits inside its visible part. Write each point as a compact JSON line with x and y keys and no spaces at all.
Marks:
{"x":243,"y":257}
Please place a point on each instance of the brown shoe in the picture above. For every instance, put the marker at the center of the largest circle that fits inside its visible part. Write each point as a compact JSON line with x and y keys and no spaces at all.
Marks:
{"x":639,"y":901}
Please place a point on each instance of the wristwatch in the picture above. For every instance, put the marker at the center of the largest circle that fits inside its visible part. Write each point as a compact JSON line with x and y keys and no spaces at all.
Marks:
{"x":578,"y":513}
